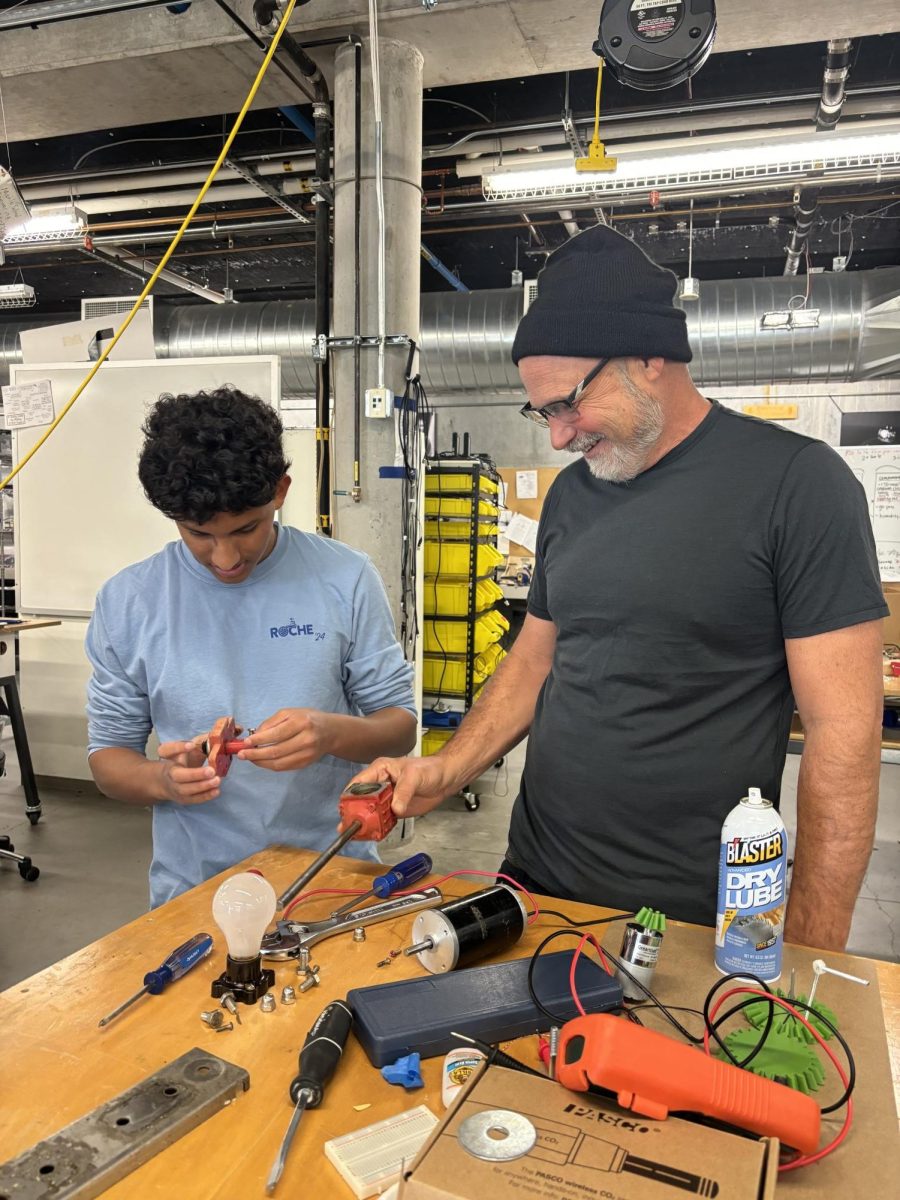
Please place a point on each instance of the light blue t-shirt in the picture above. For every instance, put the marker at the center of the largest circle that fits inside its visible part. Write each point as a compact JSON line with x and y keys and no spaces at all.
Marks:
{"x":174,"y":649}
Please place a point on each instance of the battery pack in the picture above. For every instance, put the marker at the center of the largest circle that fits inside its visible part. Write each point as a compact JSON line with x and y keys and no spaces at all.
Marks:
{"x":491,"y":1003}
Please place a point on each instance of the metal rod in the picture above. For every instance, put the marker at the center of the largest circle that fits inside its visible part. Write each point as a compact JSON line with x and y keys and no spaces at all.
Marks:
{"x":356,"y":491}
{"x":318,"y":863}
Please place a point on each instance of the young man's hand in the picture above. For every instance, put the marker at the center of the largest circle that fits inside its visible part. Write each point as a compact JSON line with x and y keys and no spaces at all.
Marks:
{"x":186,"y":776}
{"x":290,"y":739}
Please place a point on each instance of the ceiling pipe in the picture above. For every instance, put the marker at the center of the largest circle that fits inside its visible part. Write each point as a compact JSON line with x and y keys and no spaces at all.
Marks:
{"x":142,"y":268}
{"x":27,"y":16}
{"x":570,"y":225}
{"x":806,"y":205}
{"x":834,"y":79}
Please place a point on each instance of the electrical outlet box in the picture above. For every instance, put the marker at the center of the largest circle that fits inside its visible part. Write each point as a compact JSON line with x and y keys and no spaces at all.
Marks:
{"x":379,"y":402}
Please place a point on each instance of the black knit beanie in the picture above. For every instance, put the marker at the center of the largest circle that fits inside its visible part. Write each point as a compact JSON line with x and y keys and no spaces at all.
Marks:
{"x":600,"y":296}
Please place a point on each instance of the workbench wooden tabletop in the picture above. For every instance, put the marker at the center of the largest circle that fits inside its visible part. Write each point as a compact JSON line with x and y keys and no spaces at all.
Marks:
{"x":57,"y":1065}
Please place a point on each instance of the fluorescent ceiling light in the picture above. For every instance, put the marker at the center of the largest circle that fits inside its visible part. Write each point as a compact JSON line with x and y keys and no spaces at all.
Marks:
{"x":13,"y":209}
{"x":48,"y":223}
{"x":17,"y":295}
{"x":823,"y":156}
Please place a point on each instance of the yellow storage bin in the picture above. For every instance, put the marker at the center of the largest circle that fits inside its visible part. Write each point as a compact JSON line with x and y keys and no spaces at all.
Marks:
{"x":456,"y":530}
{"x":449,"y":637}
{"x":454,"y":506}
{"x":453,"y":598}
{"x":452,"y":558}
{"x":436,"y":483}
{"x":434,"y":739}
{"x":447,"y":673}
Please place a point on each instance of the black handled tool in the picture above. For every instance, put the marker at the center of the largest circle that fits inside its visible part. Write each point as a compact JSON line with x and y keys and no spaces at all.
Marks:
{"x":319,"y":1058}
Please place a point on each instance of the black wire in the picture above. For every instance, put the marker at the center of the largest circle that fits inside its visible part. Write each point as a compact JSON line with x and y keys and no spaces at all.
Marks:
{"x":743,"y":978}
{"x":750,"y":1000}
{"x":630,"y":1013}
{"x":553,"y":912}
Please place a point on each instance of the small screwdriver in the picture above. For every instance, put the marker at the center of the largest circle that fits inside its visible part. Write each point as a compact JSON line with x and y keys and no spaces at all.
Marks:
{"x":319,"y":1058}
{"x":411,"y":870}
{"x":177,"y":964}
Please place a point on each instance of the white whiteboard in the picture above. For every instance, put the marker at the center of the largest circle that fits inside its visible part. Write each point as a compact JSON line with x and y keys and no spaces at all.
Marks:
{"x":878,"y":470}
{"x":80,"y":512}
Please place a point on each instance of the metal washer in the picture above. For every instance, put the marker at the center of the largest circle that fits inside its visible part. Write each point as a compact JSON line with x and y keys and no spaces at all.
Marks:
{"x":474,"y":1136}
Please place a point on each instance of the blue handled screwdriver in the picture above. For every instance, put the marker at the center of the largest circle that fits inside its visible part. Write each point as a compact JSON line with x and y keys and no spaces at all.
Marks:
{"x":411,"y":870}
{"x":177,"y":964}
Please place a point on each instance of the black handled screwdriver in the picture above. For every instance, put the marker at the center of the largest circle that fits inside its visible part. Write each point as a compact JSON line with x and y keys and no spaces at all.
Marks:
{"x":319,"y":1058}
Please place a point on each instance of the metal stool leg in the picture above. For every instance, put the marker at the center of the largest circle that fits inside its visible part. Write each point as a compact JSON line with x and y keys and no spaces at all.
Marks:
{"x":17,"y":719}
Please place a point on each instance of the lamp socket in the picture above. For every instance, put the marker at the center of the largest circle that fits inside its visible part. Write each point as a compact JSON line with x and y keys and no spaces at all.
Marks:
{"x":379,"y":402}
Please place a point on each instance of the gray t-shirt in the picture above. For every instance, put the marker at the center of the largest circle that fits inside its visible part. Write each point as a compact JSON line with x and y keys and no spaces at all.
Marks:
{"x":669,"y":693}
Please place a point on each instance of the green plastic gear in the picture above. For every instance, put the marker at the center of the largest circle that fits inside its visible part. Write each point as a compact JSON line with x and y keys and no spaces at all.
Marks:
{"x":756,"y":1014}
{"x":782,"y":1058}
{"x":651,"y":918}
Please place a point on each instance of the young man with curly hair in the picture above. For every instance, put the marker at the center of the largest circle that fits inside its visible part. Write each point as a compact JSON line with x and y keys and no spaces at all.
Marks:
{"x":289,"y":632}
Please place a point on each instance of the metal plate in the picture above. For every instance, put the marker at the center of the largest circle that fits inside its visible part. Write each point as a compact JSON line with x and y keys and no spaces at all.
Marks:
{"x":98,"y":1150}
{"x":513,"y":1135}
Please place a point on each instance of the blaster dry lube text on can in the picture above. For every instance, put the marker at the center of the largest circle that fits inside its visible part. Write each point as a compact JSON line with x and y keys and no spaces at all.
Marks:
{"x":752,"y":889}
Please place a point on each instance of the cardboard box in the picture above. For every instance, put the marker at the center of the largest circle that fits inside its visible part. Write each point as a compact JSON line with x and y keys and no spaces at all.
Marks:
{"x":587,"y":1149}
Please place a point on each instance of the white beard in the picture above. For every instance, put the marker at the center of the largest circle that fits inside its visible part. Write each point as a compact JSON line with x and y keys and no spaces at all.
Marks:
{"x":620,"y":462}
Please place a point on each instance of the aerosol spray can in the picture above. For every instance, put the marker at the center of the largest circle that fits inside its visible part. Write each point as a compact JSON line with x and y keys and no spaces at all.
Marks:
{"x":752,"y":889}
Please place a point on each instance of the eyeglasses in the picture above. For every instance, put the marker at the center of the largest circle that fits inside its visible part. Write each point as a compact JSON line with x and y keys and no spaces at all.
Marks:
{"x":562,"y":410}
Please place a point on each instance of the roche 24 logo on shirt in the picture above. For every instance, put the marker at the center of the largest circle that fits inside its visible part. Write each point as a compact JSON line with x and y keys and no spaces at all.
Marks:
{"x":295,"y":629}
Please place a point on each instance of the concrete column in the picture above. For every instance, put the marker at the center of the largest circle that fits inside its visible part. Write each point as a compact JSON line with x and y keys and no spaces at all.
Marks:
{"x":373,"y":524}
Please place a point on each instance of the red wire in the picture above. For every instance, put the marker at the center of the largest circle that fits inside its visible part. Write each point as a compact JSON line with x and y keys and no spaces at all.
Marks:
{"x":588,"y":937}
{"x":807,"y":1159}
{"x":532,"y":917}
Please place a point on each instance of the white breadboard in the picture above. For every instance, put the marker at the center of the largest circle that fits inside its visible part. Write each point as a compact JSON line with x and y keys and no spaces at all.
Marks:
{"x":371,"y":1159}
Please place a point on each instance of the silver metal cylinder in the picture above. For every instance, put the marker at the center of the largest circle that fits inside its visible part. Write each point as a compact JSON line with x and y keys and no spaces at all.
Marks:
{"x":639,"y":954}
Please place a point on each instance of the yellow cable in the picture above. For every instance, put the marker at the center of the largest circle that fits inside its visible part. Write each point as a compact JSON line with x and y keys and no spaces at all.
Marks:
{"x":251,"y":95}
{"x":597,"y":104}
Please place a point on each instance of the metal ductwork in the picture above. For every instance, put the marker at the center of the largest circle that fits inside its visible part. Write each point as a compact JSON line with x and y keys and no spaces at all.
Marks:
{"x":858,"y":335}
{"x":834,"y":81}
{"x":466,"y":338}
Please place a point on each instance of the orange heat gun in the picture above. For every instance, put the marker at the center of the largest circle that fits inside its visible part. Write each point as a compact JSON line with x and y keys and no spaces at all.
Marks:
{"x":655,"y":1076}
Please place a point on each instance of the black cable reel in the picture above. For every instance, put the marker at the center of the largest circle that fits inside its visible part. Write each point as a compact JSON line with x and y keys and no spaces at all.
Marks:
{"x":654,"y":44}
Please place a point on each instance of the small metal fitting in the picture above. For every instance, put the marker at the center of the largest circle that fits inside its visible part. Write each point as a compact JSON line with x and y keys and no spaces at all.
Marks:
{"x":228,"y":1002}
{"x":385,"y":962}
{"x":288,"y":995}
{"x":303,"y":960}
{"x":267,"y":1003}
{"x":225,"y":1028}
{"x":359,"y":934}
{"x":429,"y":5}
{"x":311,"y":980}
{"x":214,"y":1019}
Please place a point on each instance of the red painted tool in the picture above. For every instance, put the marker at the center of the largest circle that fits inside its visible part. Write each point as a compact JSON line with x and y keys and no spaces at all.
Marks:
{"x":220,"y":744}
{"x":366,"y":815}
{"x":370,"y":805}
{"x":655,"y":1076}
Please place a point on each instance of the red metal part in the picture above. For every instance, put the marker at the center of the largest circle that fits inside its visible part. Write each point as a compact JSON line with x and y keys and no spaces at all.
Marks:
{"x":370,"y":804}
{"x":218,"y":745}
{"x":654,"y":1075}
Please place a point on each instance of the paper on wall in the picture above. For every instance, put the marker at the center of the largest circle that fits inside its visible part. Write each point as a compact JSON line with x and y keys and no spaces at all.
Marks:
{"x":526,"y":485}
{"x":28,"y":404}
{"x":523,"y":531}
{"x":878,"y":470}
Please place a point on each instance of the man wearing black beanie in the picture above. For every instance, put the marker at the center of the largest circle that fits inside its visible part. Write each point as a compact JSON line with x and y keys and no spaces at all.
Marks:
{"x":697,"y":572}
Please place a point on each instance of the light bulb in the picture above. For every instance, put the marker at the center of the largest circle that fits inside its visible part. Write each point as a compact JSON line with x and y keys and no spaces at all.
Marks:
{"x":242,"y":908}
